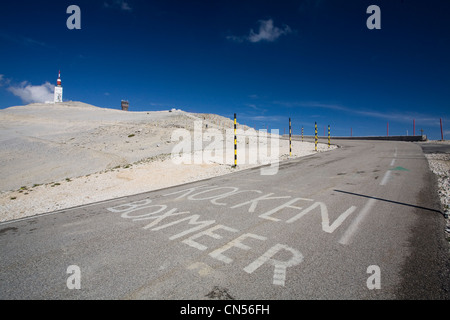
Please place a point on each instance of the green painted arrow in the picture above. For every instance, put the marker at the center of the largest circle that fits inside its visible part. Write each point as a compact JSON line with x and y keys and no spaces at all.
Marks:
{"x":399,"y":169}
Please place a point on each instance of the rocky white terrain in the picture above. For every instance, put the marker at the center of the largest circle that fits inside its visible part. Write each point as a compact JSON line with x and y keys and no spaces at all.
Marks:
{"x":68,"y":154}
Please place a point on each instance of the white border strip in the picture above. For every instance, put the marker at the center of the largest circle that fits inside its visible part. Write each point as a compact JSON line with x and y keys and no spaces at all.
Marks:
{"x":354,"y":226}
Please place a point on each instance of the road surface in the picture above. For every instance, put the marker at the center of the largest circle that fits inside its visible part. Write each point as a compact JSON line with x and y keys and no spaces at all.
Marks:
{"x":360,"y":222}
{"x":435,"y":147}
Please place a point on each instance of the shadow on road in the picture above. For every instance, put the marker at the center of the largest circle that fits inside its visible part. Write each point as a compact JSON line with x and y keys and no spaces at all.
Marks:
{"x":390,"y":201}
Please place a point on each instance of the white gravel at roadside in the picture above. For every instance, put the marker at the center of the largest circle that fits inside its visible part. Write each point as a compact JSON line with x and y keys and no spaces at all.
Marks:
{"x":440,"y":165}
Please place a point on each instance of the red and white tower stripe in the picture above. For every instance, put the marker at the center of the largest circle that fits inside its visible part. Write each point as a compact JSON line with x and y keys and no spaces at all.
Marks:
{"x":58,"y":82}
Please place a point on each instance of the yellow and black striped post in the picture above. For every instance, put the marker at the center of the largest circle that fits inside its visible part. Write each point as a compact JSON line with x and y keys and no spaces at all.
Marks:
{"x":235,"y":142}
{"x":315,"y":136}
{"x":302,"y":134}
{"x":290,"y":138}
{"x":329,"y":137}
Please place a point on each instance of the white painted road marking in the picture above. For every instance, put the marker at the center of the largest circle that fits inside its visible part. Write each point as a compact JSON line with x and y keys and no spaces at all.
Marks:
{"x":286,"y":205}
{"x":144,"y":210}
{"x":354,"y":226}
{"x":209,"y":232}
{"x":218,"y":253}
{"x":279,"y":276}
{"x":325,"y":217}
{"x":387,"y":175}
{"x":385,"y":178}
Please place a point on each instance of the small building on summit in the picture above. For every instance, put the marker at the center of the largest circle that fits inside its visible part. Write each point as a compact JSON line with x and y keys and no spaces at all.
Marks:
{"x":125,"y":105}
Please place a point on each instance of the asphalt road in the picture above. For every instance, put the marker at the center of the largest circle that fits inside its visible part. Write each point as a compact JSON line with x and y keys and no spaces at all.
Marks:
{"x":435,"y":147}
{"x":361,"y":222}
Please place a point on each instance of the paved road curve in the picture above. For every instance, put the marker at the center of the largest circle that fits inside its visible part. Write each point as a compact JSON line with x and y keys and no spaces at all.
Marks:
{"x":361,"y":222}
{"x":435,"y":147}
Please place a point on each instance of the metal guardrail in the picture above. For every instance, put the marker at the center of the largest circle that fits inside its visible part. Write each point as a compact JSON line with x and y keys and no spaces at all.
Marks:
{"x":379,"y":138}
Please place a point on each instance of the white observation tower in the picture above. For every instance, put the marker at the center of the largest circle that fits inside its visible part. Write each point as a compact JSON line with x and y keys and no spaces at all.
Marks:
{"x":58,"y":90}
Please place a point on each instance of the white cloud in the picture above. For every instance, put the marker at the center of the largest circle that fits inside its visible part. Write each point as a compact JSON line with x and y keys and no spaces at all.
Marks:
{"x":125,"y":6}
{"x":4,"y":81}
{"x":33,"y":94}
{"x":118,"y":4}
{"x":267,"y":32}
{"x":23,"y":41}
{"x":268,"y":119}
{"x":236,"y":38}
{"x":404,"y":117}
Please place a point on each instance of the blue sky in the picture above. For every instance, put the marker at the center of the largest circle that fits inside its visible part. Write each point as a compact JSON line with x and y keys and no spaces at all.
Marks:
{"x":310,"y":60}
